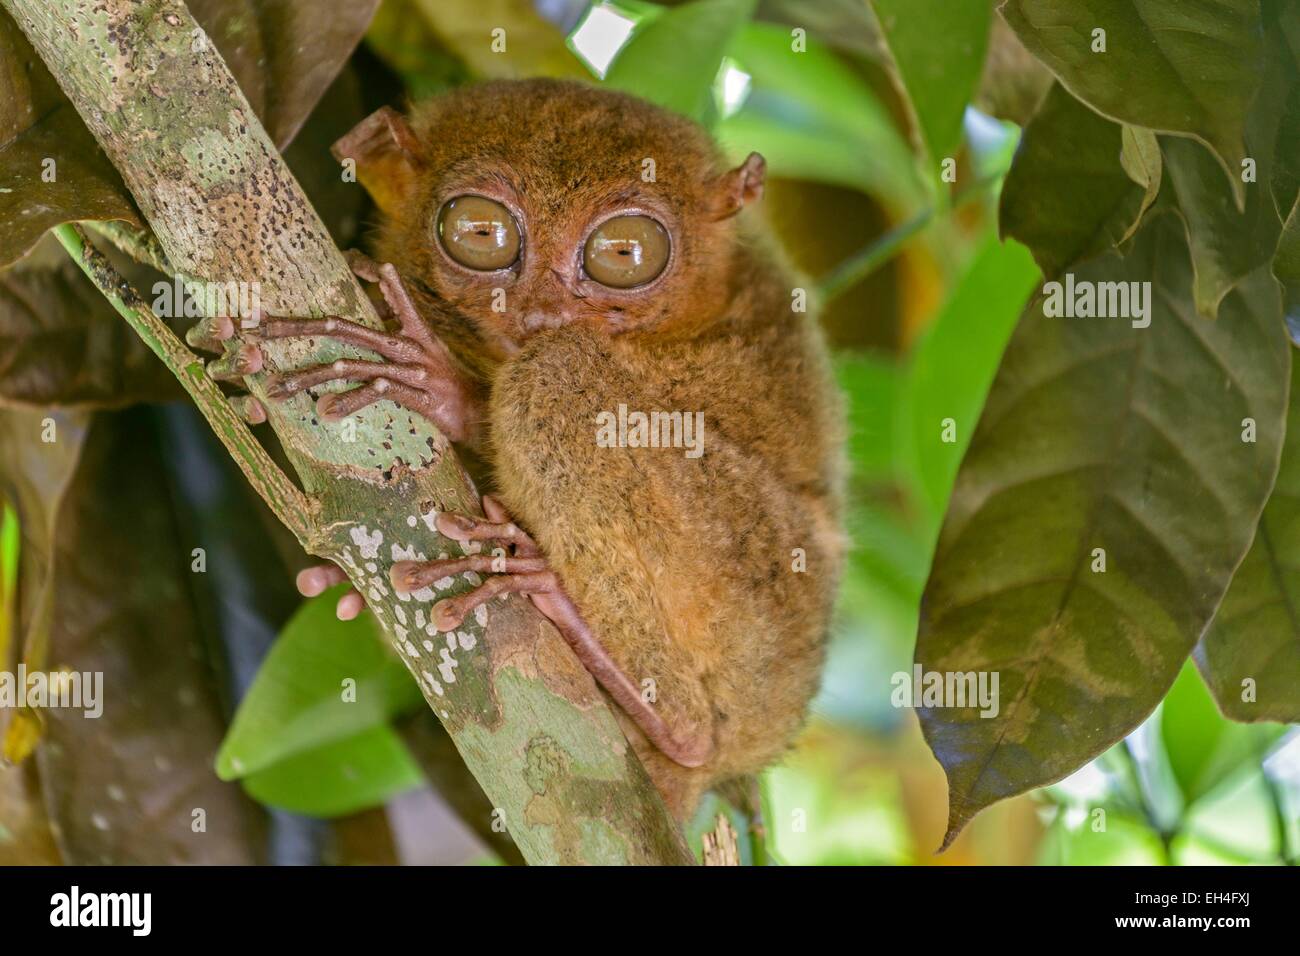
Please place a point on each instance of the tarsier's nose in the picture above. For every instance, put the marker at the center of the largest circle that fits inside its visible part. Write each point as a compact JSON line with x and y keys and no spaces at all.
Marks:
{"x":537,"y":319}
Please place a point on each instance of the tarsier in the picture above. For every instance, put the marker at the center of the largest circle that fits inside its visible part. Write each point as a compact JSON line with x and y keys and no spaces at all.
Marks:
{"x":551,"y":252}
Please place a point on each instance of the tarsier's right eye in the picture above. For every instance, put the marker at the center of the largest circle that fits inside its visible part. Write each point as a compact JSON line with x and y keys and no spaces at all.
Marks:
{"x":479,"y":233}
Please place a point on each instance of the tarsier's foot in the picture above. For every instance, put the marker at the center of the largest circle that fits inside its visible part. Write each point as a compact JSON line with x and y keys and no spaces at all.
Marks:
{"x":418,"y":372}
{"x":527,"y":572}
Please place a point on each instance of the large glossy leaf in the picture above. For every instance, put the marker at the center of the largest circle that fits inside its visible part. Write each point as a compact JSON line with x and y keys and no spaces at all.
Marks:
{"x":1250,"y":656}
{"x":1098,"y":441}
{"x":1168,"y":65}
{"x":953,"y":365}
{"x":1227,"y":242}
{"x":940,"y":68}
{"x":325,"y":680}
{"x":1067,"y":196}
{"x":673,"y":59}
{"x":343,"y":776}
{"x":812,"y":116}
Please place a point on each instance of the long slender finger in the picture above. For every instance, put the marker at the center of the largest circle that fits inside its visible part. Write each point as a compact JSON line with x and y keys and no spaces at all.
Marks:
{"x":392,"y":347}
{"x":291,"y":383}
{"x":211,"y":335}
{"x":234,"y":365}
{"x":319,"y":578}
{"x":465,"y":528}
{"x":339,"y":405}
{"x":408,"y":576}
{"x":499,"y":527}
{"x":449,"y":613}
{"x":403,"y":308}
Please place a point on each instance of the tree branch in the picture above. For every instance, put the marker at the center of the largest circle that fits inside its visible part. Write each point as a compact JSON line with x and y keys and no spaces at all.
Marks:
{"x":528,"y":719}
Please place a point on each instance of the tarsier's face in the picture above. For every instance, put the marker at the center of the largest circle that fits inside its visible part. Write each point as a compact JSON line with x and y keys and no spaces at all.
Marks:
{"x":544,"y":204}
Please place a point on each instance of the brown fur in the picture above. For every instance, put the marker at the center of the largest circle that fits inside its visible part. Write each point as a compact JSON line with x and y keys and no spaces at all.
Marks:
{"x":682,"y":567}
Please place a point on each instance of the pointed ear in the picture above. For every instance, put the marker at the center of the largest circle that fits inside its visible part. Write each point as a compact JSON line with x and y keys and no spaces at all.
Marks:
{"x":739,"y":187}
{"x":386,"y":155}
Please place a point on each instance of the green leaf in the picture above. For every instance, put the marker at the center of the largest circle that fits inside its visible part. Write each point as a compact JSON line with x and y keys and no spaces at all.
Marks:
{"x":297,"y":701}
{"x":1068,"y":195}
{"x":871,"y":384}
{"x":1204,"y":749}
{"x":1098,"y":435}
{"x":1140,"y":156}
{"x":940,"y":66}
{"x":814,"y":117}
{"x":1191,"y":730}
{"x":1255,"y":636}
{"x":674,"y":59}
{"x":953,"y":364}
{"x":1226,"y":244}
{"x":1229,"y":240}
{"x":1168,"y":65}
{"x":340,"y":777}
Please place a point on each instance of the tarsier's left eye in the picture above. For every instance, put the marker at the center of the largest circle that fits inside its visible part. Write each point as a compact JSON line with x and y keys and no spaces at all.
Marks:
{"x":479,"y":233}
{"x":626,"y":251}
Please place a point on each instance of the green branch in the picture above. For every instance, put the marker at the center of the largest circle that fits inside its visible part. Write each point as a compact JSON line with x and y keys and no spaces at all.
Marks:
{"x":861,"y":264}
{"x":261,"y":471}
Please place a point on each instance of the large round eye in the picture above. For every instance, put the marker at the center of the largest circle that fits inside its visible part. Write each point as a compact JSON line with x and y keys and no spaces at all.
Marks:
{"x":626,"y":251}
{"x":479,"y":233}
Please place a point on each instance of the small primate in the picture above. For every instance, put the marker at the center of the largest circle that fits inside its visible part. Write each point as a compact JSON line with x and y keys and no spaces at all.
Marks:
{"x":557,"y":258}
